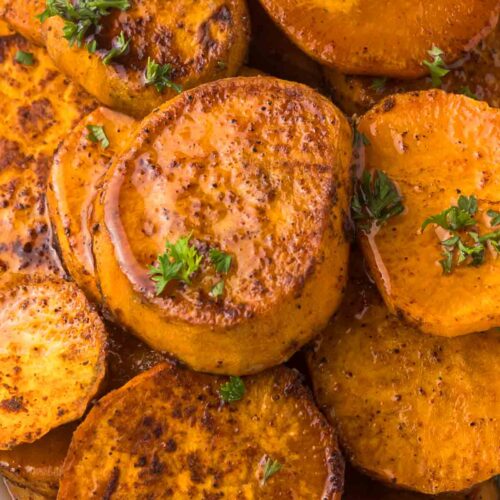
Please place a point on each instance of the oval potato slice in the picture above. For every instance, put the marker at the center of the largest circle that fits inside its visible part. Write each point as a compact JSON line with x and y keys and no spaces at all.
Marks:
{"x":202,"y":41}
{"x":479,"y":73}
{"x":369,"y":37}
{"x":434,"y":146}
{"x":257,"y":168}
{"x":78,"y":167}
{"x":21,"y":16}
{"x":51,"y":357}
{"x":417,"y":411}
{"x":167,"y":433}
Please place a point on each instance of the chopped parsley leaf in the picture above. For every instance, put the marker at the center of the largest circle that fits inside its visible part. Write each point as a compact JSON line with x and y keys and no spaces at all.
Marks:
{"x":159,"y":76}
{"x":233,"y":390}
{"x":97,"y":134}
{"x":436,"y":67}
{"x":271,"y":467}
{"x":25,"y":58}
{"x":120,"y":46}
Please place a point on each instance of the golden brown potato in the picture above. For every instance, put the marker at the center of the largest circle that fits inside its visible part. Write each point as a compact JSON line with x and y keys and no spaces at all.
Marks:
{"x":479,"y":72}
{"x":5,"y":29}
{"x":38,"y":107}
{"x":21,"y":16}
{"x":369,"y":37}
{"x":257,"y":168}
{"x":202,"y":41}
{"x":52,"y":361}
{"x":417,"y":411}
{"x":167,"y":433}
{"x":78,"y":167}
{"x":435,"y":146}
{"x":20,"y":493}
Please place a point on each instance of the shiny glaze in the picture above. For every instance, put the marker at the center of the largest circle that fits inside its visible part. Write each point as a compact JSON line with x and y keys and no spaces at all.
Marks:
{"x":389,"y":38}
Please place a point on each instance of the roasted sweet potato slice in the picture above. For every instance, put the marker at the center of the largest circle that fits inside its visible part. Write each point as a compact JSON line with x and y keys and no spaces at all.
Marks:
{"x":369,"y":37}
{"x":78,"y":167}
{"x":52,"y":362}
{"x":38,"y":107}
{"x":435,"y":147}
{"x":21,"y":16}
{"x":256,"y":168}
{"x":478,"y":74}
{"x":201,"y":41}
{"x":167,"y":432}
{"x":18,"y":492}
{"x":417,"y":411}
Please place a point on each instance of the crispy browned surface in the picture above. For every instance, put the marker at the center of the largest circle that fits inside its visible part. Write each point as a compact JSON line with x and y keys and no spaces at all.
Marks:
{"x":52,"y":357}
{"x":435,"y":146}
{"x":479,"y":70}
{"x":20,"y":14}
{"x":166,"y":433}
{"x":38,"y":106}
{"x":383,"y":38}
{"x":414,"y":410}
{"x":203,"y":41}
{"x":223,"y":161}
{"x":76,"y":172}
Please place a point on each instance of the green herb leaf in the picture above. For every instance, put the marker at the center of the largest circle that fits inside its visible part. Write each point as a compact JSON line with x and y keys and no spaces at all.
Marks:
{"x":359,"y":138}
{"x":493,"y":238}
{"x":455,"y":217}
{"x":179,"y":262}
{"x":120,"y":46}
{"x":25,"y":58}
{"x":233,"y":390}
{"x":159,"y":76}
{"x":271,"y":467}
{"x":97,"y":134}
{"x":436,"y":66}
{"x":466,"y":91}
{"x":375,"y":200}
{"x":221,"y":260}
{"x":217,"y":289}
{"x":378,"y":84}
{"x":494,"y":216}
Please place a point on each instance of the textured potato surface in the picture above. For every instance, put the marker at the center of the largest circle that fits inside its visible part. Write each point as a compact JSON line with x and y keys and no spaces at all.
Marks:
{"x":478,"y":71}
{"x":167,"y":433}
{"x":20,"y":493}
{"x":369,"y":37}
{"x":21,"y":16}
{"x":435,"y":146}
{"x":257,"y":168}
{"x":78,"y":167}
{"x":417,"y":411}
{"x":201,"y":40}
{"x":52,"y":357}
{"x":38,"y":107}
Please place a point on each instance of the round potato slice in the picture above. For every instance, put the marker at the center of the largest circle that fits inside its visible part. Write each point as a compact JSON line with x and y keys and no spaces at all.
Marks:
{"x":435,"y":147}
{"x":167,"y":433}
{"x":477,"y":74}
{"x":256,"y":169}
{"x":21,"y":16}
{"x":199,"y":41}
{"x":369,"y":37}
{"x":78,"y":167}
{"x":52,"y":357}
{"x":417,"y":411}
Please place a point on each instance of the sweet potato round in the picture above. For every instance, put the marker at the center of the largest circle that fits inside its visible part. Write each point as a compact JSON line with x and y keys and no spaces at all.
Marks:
{"x":434,"y":146}
{"x":370,"y":37}
{"x":258,"y":168}
{"x":167,"y":433}
{"x":21,"y":16}
{"x":417,"y":411}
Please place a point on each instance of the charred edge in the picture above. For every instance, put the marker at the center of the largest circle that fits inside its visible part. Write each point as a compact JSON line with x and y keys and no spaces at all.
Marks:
{"x":112,"y":485}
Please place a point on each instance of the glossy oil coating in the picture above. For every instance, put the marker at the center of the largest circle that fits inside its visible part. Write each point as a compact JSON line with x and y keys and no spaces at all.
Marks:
{"x":21,"y":16}
{"x":202,"y":40}
{"x":434,"y":146}
{"x":167,"y":433}
{"x":255,"y":167}
{"x":478,"y":70}
{"x":38,"y":106}
{"x":383,"y":38}
{"x":417,"y":411}
{"x":78,"y":167}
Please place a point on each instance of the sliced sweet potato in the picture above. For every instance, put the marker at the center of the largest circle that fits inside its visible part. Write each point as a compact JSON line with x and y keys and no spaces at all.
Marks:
{"x":5,"y":29}
{"x":254,"y":167}
{"x":52,"y":362}
{"x":478,"y":73}
{"x":38,"y":107}
{"x":434,"y":146}
{"x":202,"y":41}
{"x":167,"y":433}
{"x":369,"y":37}
{"x":417,"y":411}
{"x":78,"y":167}
{"x":21,"y":16}
{"x":18,"y":492}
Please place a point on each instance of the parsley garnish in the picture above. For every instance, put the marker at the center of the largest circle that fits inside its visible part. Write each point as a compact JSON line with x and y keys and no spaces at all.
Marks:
{"x":179,"y":262}
{"x":466,"y":91}
{"x":378,"y":84}
{"x":221,"y":260}
{"x":233,"y":390}
{"x":360,"y":139}
{"x":494,"y":216}
{"x":436,"y":66}
{"x":375,"y":200}
{"x":120,"y":46}
{"x":455,"y":217}
{"x":97,"y":134}
{"x":25,"y":58}
{"x":217,"y":289}
{"x":159,"y":76}
{"x":271,"y":467}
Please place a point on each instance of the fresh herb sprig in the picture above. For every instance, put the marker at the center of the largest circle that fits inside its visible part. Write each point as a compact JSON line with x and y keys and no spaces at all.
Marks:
{"x":270,"y":468}
{"x":494,"y":216}
{"x":456,"y":217}
{"x":436,"y":67}
{"x":159,"y":76}
{"x":233,"y":390}
{"x":120,"y":46}
{"x":98,"y":135}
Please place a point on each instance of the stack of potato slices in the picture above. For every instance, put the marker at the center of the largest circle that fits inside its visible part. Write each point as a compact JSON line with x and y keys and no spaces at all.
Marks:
{"x":215,"y":284}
